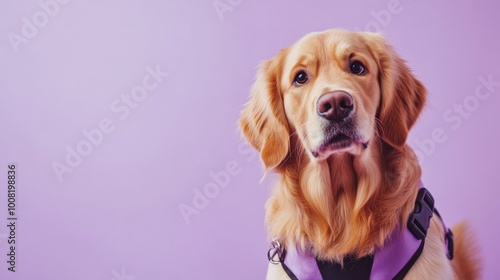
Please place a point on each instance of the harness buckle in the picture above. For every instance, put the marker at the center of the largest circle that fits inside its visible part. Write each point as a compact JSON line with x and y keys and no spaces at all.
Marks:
{"x":419,"y":220}
{"x":276,"y":250}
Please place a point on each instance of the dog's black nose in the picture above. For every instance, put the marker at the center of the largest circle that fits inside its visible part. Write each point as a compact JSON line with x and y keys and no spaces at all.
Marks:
{"x":335,"y":106}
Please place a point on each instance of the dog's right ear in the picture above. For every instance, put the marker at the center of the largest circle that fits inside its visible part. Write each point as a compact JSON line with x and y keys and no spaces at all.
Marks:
{"x":263,"y":121}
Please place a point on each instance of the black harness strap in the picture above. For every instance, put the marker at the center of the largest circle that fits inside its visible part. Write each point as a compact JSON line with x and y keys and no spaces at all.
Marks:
{"x":353,"y":268}
{"x":289,"y":272}
{"x":402,"y":273}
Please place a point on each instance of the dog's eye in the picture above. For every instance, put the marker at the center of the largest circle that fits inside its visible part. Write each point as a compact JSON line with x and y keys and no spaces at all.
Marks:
{"x":357,"y":68}
{"x":300,"y":79}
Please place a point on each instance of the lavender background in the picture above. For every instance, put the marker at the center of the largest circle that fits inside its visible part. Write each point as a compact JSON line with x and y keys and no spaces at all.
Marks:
{"x":116,"y":215}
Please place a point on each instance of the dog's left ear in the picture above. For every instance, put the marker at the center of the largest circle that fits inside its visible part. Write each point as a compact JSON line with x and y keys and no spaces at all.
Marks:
{"x":263,"y":121}
{"x":403,"y":96}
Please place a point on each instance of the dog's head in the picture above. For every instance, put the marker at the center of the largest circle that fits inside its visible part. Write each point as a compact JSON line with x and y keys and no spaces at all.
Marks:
{"x":337,"y":91}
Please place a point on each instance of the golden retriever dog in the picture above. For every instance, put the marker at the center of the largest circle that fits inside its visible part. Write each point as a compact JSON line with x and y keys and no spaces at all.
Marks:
{"x":331,"y":115}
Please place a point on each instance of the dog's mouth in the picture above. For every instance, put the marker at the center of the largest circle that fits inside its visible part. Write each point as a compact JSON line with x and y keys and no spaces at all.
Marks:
{"x":339,"y":142}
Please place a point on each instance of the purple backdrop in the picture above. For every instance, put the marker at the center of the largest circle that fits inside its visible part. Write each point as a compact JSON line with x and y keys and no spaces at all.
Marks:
{"x":120,"y":117}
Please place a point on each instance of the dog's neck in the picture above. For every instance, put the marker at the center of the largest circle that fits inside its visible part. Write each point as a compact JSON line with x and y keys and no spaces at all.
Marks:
{"x":347,"y":204}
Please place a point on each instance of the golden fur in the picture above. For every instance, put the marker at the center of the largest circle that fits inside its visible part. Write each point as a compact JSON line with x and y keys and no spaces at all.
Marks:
{"x":345,"y":201}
